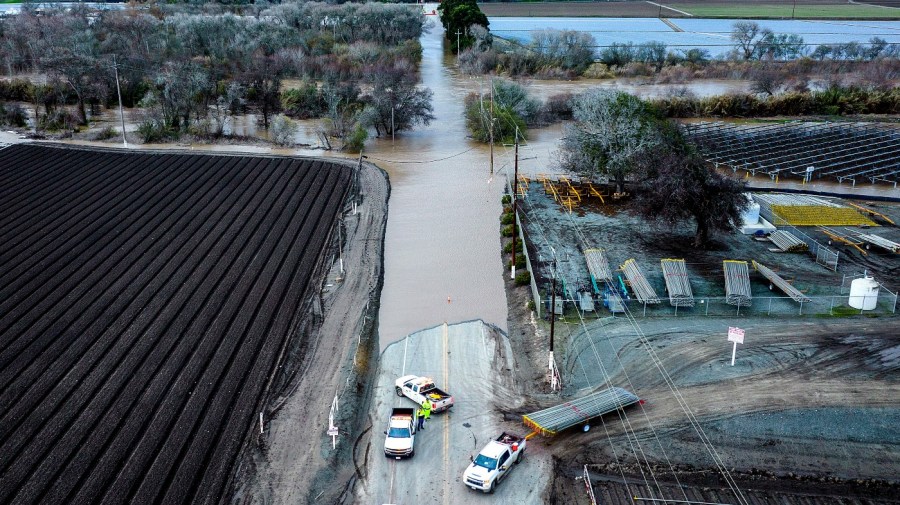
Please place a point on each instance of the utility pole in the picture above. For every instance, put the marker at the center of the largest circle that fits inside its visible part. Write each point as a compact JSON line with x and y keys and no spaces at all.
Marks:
{"x":515,"y":196}
{"x":492,"y":126}
{"x":552,"y":310}
{"x":121,"y":111}
{"x":392,"y":120}
{"x":458,"y":33}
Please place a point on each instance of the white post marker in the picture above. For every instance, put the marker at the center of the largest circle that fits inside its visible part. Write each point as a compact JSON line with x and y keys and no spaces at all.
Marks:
{"x":735,"y":335}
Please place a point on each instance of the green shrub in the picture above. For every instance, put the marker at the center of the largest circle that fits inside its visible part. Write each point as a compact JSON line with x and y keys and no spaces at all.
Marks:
{"x":304,"y":102}
{"x":508,"y":248}
{"x":520,"y":260}
{"x":523,"y":278}
{"x":506,"y":200}
{"x":507,"y":218}
{"x":18,"y":90}
{"x":506,"y":231}
{"x":106,"y":133}
{"x":530,"y":305}
{"x":357,"y":139}
{"x":13,"y":115}
{"x":152,"y":131}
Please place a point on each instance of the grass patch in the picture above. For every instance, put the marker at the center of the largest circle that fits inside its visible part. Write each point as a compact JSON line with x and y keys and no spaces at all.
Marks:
{"x":849,"y":11}
{"x":841,"y":311}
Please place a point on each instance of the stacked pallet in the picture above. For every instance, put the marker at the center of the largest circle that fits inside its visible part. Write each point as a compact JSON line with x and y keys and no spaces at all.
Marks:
{"x":737,"y":283}
{"x":787,"y":242}
{"x":598,"y":265}
{"x":642,"y":289}
{"x":677,"y":283}
{"x":780,"y":283}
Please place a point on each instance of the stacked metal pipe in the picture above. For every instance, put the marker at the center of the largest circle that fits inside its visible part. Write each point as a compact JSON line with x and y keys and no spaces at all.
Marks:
{"x":880,"y":242}
{"x":598,"y":265}
{"x":677,"y":282}
{"x":737,"y":283}
{"x":787,"y":242}
{"x":780,"y":283}
{"x":642,"y":289}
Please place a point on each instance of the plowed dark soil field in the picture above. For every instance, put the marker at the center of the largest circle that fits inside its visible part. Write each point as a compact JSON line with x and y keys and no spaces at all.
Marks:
{"x":144,"y":302}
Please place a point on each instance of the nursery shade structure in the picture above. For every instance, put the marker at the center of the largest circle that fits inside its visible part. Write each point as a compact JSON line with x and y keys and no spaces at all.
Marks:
{"x":550,"y":421}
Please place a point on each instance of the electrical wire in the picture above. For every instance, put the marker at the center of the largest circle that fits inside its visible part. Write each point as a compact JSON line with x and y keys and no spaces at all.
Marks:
{"x":704,"y":439}
{"x":412,"y":162}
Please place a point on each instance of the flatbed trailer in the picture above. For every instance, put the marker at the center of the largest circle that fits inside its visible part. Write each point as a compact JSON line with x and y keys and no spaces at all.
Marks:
{"x":553,"y":420}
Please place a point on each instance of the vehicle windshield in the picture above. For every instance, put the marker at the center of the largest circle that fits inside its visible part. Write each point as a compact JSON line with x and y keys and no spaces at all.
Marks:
{"x":486,"y":462}
{"x":399,"y":433}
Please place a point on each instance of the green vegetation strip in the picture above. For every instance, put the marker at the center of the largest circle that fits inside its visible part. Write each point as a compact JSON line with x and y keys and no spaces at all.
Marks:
{"x":849,"y":11}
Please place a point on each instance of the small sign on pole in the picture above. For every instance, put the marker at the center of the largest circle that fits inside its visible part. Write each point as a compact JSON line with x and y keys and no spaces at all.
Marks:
{"x":735,"y":335}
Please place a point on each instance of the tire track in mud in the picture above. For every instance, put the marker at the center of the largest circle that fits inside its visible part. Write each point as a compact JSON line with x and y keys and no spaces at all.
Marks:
{"x":146,"y":298}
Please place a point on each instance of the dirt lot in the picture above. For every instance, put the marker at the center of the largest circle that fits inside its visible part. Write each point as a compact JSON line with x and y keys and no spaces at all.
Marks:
{"x":808,"y":414}
{"x":147,"y":299}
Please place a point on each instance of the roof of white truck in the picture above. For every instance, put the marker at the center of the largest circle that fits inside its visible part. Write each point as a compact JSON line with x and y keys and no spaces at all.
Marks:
{"x":494,"y":449}
{"x":418,"y":380}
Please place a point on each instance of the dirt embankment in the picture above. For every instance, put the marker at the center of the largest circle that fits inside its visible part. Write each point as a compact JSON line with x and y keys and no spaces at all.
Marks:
{"x":335,"y":357}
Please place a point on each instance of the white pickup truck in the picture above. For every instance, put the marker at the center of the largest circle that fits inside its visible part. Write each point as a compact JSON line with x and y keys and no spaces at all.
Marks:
{"x":494,"y":462}
{"x":401,"y":434}
{"x":418,"y":388}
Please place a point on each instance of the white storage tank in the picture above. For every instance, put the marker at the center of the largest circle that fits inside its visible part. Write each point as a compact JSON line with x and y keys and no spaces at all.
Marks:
{"x":863,"y":293}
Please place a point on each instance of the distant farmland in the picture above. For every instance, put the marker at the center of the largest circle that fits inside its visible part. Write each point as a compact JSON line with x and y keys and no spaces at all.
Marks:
{"x":144,"y":301}
{"x":774,"y":9}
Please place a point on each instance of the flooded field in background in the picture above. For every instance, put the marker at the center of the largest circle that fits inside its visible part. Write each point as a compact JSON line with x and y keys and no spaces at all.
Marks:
{"x":713,"y":35}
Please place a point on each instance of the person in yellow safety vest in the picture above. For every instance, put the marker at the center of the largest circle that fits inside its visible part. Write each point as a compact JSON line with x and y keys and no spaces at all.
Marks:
{"x":426,"y":406}
{"x":421,"y":416}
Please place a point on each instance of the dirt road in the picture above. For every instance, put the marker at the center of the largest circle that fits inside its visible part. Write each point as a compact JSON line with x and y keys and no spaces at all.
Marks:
{"x":473,"y":362}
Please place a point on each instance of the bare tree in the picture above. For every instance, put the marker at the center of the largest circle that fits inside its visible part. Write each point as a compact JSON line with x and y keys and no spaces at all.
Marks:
{"x":611,"y":133}
{"x":749,"y":36}
{"x":767,"y":78}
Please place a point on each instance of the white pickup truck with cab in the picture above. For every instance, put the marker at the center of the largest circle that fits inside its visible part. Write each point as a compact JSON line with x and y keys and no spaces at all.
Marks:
{"x":401,"y":434}
{"x":494,"y":462}
{"x":418,"y":388}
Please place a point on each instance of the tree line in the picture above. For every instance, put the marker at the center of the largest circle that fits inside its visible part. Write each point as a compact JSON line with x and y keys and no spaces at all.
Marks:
{"x":189,"y":69}
{"x":567,"y":54}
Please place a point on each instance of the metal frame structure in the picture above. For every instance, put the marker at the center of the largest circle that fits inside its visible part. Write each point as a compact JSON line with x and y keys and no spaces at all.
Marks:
{"x":841,"y":151}
{"x":641,"y":288}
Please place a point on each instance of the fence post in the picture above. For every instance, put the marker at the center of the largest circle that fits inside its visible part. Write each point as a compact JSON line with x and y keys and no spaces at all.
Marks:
{"x":801,"y":308}
{"x":831,"y":309}
{"x":707,"y":307}
{"x":769,"y":310}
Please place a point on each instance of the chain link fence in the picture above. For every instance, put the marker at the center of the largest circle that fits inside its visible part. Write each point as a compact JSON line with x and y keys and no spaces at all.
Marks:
{"x":833,"y":305}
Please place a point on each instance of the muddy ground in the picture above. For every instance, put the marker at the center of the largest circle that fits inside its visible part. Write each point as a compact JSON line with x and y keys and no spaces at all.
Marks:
{"x":808,"y":413}
{"x":293,"y":461}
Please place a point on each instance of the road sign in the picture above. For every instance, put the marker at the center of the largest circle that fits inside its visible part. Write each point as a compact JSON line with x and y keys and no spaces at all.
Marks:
{"x":333,"y":431}
{"x":735,"y":335}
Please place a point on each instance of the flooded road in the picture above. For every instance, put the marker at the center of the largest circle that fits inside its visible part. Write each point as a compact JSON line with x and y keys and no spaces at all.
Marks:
{"x":442,"y":250}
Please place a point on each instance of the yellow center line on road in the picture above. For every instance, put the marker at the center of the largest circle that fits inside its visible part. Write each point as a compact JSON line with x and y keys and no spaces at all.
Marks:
{"x":446,"y":367}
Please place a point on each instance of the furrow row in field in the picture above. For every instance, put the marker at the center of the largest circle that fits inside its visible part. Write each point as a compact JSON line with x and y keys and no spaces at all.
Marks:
{"x":146,"y":298}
